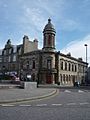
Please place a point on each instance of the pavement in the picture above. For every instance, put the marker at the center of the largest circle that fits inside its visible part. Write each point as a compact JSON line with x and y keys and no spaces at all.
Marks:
{"x":19,"y":95}
{"x":16,"y":94}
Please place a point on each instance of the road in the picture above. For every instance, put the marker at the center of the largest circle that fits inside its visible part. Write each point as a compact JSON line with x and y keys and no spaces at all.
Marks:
{"x":67,"y":104}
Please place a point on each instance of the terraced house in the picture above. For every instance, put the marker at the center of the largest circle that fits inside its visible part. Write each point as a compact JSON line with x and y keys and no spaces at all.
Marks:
{"x":46,"y":65}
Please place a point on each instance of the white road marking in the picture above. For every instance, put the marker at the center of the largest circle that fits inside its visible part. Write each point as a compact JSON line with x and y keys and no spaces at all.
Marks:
{"x":41,"y":105}
{"x":84,"y":103}
{"x":67,"y":91}
{"x":56,"y":104}
{"x":7,"y":105}
{"x":80,"y":91}
{"x":71,"y":103}
{"x":24,"y":105}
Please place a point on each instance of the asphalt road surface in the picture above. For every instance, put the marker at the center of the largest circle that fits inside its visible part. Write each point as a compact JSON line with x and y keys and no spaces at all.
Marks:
{"x":67,"y":104}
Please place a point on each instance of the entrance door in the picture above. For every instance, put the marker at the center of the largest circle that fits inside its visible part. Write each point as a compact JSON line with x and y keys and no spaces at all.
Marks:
{"x":49,"y":79}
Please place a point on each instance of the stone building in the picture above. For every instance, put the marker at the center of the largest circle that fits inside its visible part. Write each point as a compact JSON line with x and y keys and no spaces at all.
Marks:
{"x":9,"y":56}
{"x":50,"y":66}
{"x":46,"y":65}
{"x":87,"y":76}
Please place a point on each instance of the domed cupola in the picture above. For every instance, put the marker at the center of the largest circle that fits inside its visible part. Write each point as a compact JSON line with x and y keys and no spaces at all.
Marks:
{"x":49,"y":27}
{"x":49,"y":36}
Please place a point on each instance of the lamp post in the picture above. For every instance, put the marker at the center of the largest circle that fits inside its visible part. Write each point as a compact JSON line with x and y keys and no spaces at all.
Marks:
{"x":86,"y":79}
{"x":86,"y":51}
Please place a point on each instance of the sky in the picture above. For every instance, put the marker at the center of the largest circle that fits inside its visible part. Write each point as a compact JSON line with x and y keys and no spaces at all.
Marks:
{"x":71,"y":19}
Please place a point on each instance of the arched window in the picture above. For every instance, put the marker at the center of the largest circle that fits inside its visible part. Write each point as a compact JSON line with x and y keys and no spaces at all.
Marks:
{"x":61,"y":65}
{"x":69,"y":66}
{"x":49,"y":39}
{"x":61,"y":78}
{"x":53,"y":40}
{"x":65,"y":65}
{"x":45,"y":40}
{"x":69,"y":78}
{"x":64,"y":78}
{"x":75,"y":68}
{"x":72,"y":67}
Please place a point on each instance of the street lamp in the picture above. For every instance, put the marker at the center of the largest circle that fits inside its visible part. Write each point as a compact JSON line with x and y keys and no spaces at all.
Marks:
{"x":86,"y":51}
{"x":86,"y":79}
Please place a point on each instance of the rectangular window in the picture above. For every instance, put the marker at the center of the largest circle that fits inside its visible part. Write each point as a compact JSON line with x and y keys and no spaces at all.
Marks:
{"x":49,"y":64}
{"x":72,"y":67}
{"x":65,"y":66}
{"x":45,"y":40}
{"x":14,"y":49}
{"x":14,"y":58}
{"x":75,"y":68}
{"x":10,"y":51}
{"x":33,"y":64}
{"x":0,"y":59}
{"x":0,"y":52}
{"x":5,"y":59}
{"x":13,"y":66}
{"x":4,"y":52}
{"x":9,"y":59}
{"x":19,"y":52}
{"x":69,"y":66}
{"x":49,"y":40}
{"x":27,"y":64}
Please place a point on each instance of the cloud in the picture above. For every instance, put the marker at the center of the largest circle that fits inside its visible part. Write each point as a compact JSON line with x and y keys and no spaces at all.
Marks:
{"x":34,"y":16}
{"x":69,"y":24}
{"x":77,"y":48}
{"x":36,"y":13}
